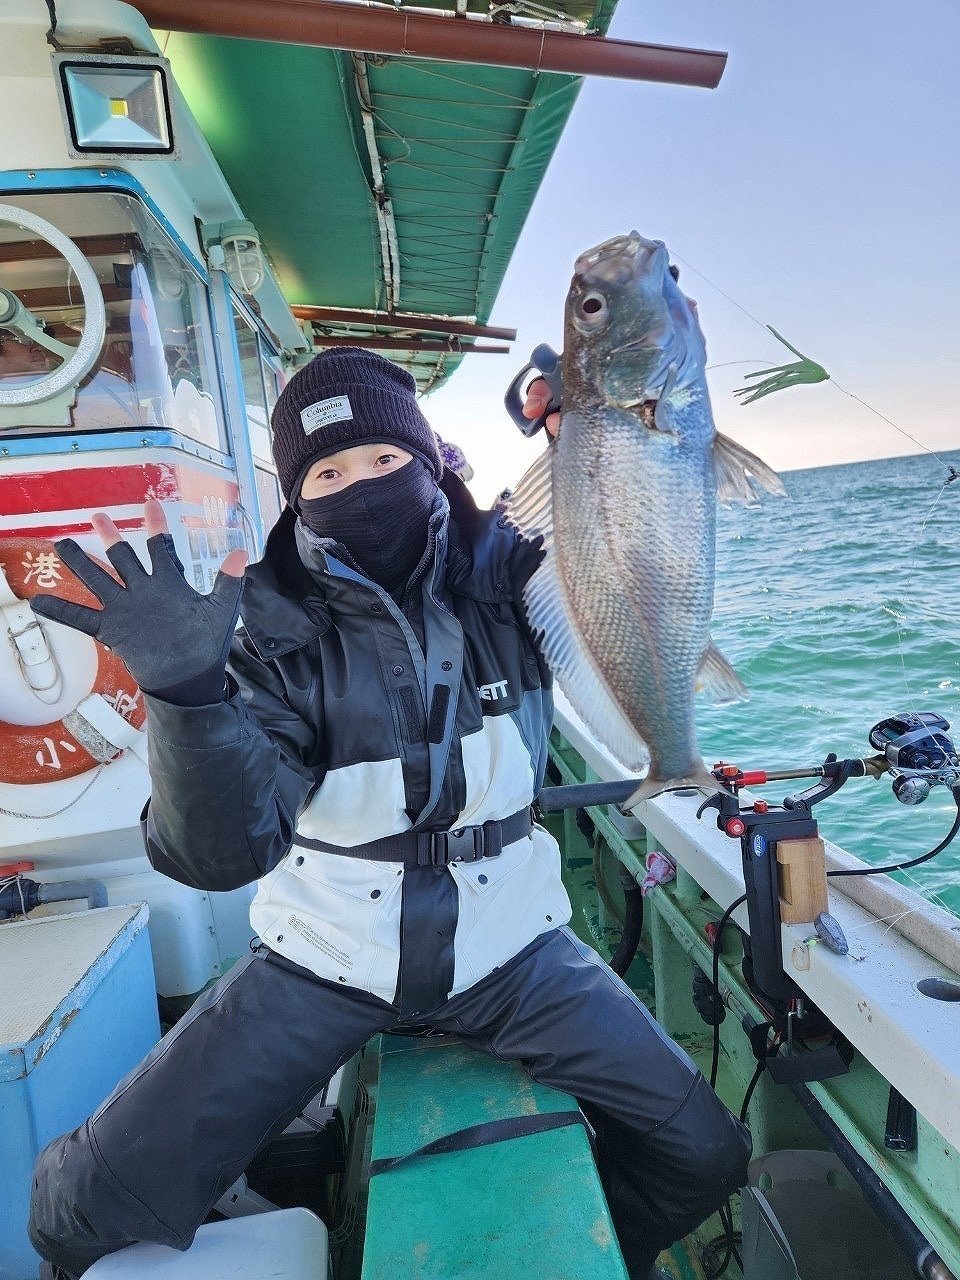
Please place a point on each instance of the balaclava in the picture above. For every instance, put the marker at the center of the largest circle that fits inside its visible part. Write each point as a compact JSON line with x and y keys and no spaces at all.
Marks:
{"x":343,"y":398}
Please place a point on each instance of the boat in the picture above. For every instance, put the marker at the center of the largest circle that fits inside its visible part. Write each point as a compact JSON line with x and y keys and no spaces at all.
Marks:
{"x":196,"y":198}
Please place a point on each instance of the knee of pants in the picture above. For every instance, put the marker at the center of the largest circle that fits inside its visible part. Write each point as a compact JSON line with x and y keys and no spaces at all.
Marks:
{"x":710,"y":1145}
{"x":79,"y":1212}
{"x":53,"y":1199}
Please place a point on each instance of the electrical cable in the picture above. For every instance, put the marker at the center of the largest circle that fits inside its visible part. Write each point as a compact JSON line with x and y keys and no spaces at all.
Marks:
{"x":914,"y":862}
{"x":714,"y":1268}
{"x":755,"y":1080}
{"x":717,"y":939}
{"x":733,"y":1236}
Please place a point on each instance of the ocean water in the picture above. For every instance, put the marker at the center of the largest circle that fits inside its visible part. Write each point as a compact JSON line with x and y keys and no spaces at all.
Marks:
{"x":839,"y":605}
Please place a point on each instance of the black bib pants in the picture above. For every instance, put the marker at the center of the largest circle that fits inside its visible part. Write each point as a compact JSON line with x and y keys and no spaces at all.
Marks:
{"x":253,"y":1050}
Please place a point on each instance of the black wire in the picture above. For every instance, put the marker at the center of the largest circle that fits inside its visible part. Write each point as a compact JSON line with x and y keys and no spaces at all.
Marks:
{"x":717,"y":939}
{"x":714,"y":1268}
{"x":735,"y":1237}
{"x":914,"y":862}
{"x":744,"y":1106}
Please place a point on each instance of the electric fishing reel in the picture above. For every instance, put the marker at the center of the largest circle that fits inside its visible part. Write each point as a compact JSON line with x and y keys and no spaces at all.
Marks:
{"x":918,"y":754}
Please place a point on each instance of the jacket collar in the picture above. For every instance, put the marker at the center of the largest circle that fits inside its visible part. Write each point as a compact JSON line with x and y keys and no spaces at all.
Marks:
{"x":281,"y":601}
{"x":468,"y":554}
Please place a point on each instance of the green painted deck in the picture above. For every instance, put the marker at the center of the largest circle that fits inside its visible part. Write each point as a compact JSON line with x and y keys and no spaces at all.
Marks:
{"x":530,"y":1208}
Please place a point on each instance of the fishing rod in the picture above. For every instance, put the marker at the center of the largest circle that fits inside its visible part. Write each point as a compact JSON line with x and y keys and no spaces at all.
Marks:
{"x":913,"y":747}
{"x":581,"y":794}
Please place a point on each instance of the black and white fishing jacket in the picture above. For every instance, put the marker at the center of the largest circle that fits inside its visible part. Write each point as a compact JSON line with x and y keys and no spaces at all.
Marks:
{"x":350,"y":719}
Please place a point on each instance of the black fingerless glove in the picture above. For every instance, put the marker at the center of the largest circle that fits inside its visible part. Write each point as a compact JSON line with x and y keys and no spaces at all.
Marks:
{"x":172,"y":640}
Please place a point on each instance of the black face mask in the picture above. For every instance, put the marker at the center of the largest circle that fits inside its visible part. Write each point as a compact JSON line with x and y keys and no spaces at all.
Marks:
{"x":382,"y":522}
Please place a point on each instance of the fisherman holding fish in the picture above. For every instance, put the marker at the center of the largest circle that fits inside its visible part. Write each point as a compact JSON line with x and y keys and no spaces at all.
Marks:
{"x":368,"y":745}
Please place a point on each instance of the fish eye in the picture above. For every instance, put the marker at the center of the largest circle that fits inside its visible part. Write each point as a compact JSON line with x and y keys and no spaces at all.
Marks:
{"x":590,"y":313}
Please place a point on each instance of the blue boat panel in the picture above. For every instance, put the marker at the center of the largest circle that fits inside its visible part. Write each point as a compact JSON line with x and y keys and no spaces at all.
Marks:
{"x":80,"y":1013}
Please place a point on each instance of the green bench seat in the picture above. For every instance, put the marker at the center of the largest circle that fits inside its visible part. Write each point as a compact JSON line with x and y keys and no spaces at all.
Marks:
{"x":528,"y":1208}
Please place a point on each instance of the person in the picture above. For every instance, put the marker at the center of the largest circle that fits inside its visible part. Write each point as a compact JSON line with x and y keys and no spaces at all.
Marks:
{"x":455,"y":460}
{"x":370,"y":755}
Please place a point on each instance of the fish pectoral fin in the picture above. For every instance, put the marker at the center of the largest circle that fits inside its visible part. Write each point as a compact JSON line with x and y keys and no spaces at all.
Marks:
{"x":701,"y":779}
{"x":716,"y":677}
{"x":741,"y":476}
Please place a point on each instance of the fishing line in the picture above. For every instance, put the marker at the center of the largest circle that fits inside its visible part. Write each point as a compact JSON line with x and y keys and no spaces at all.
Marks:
{"x":924,"y":447}
{"x":928,"y":894}
{"x":953,"y":474}
{"x":890,"y":921}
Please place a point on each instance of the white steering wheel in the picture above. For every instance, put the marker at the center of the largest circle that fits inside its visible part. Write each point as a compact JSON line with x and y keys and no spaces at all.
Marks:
{"x":83,"y":358}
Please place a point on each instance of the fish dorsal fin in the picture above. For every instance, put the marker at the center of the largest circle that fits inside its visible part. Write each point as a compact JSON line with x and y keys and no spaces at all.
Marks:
{"x":717,"y":679}
{"x":741,"y":476}
{"x":552,"y":618}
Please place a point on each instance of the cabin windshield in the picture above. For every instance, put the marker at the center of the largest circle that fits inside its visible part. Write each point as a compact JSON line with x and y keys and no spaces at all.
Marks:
{"x":156,"y":367}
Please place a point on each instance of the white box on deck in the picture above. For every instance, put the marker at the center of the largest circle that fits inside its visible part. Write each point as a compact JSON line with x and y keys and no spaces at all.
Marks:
{"x":290,"y":1244}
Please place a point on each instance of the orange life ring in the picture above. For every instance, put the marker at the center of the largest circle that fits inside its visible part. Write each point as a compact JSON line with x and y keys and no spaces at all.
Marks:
{"x":47,"y":752}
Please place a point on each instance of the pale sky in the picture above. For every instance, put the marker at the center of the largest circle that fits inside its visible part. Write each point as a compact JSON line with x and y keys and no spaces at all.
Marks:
{"x":818,"y":187}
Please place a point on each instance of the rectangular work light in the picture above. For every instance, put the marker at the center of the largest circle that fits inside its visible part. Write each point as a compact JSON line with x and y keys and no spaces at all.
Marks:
{"x":116,"y":105}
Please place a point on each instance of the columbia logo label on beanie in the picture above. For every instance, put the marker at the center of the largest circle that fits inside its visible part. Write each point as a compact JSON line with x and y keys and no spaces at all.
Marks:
{"x":345,"y":397}
{"x":315,"y":416}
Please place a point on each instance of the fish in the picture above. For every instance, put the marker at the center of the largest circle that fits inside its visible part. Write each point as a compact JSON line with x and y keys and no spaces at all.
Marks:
{"x":625,"y":503}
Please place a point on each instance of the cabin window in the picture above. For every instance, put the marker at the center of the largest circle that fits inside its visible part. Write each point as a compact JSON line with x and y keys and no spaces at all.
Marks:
{"x":156,"y":368}
{"x":254,"y":392}
{"x":268,"y":493}
{"x":251,"y":370}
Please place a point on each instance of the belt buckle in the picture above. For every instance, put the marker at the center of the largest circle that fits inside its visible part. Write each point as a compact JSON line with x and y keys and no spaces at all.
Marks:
{"x":464,"y":844}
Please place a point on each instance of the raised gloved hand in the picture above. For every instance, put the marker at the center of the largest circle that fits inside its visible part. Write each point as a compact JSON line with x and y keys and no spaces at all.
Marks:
{"x":173,"y":640}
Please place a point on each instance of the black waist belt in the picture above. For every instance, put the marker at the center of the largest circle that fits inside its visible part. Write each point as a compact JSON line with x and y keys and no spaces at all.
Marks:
{"x":436,"y":848}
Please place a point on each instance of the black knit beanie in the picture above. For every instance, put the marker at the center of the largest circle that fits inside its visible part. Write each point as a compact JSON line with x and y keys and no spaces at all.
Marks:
{"x":344,"y":397}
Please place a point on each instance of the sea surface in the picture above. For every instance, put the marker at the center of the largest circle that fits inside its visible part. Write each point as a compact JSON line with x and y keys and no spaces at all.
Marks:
{"x":839,"y":605}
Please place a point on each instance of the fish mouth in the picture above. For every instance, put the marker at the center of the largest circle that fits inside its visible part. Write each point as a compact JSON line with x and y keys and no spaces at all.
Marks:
{"x":646,"y":412}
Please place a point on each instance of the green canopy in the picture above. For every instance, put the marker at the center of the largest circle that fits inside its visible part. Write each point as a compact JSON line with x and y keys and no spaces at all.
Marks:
{"x":386,"y":184}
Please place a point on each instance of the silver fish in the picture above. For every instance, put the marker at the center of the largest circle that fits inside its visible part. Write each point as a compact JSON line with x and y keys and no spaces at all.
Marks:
{"x":625,"y":501}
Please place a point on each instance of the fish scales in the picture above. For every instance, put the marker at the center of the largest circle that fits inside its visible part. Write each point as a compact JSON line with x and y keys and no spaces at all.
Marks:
{"x":644,"y":604}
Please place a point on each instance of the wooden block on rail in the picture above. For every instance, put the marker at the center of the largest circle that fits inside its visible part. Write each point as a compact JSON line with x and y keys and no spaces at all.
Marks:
{"x":803,"y":879}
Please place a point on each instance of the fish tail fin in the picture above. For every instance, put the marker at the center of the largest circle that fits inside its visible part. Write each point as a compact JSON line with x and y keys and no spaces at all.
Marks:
{"x":699,"y":779}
